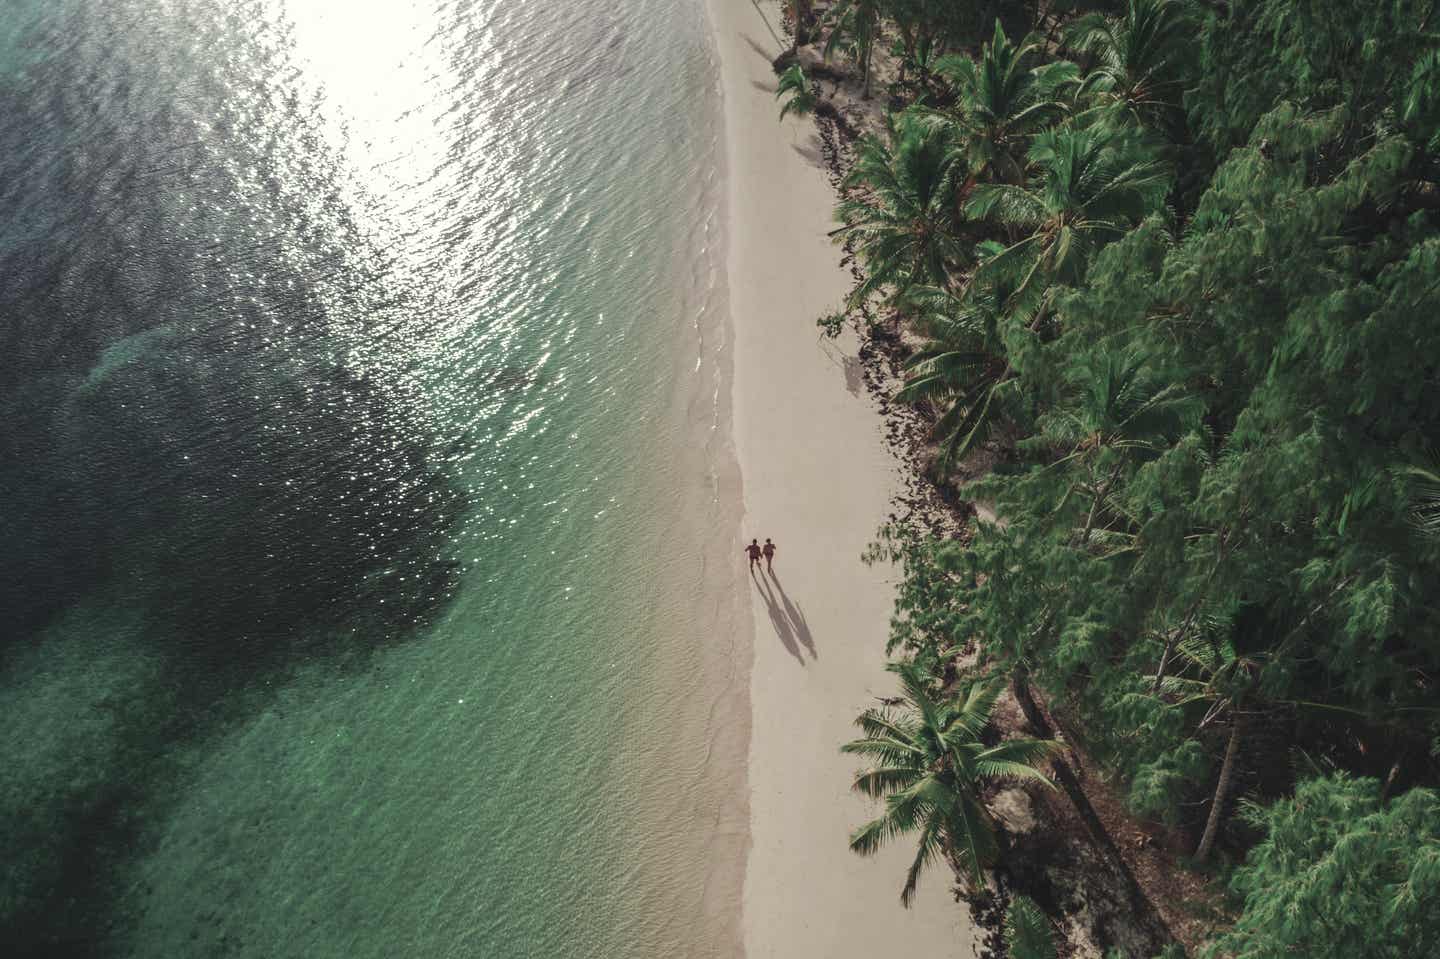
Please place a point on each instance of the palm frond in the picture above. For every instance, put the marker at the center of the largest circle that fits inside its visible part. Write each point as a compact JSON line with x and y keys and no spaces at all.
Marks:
{"x":1006,"y":204}
{"x":869,"y":838}
{"x":915,"y":686}
{"x":1028,"y":751}
{"x":1027,"y":931}
{"x":884,"y":780}
{"x":884,"y":749}
{"x":1424,"y":497}
{"x":973,"y":709}
{"x":999,"y":769}
{"x":942,"y":375}
{"x":972,"y":838}
{"x":929,"y":848}
{"x":883,"y":723}
{"x":971,"y":428}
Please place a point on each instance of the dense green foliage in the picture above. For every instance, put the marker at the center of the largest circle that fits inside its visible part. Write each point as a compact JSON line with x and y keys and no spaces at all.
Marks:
{"x":1341,"y":874}
{"x":1187,"y":255}
{"x":929,"y":766}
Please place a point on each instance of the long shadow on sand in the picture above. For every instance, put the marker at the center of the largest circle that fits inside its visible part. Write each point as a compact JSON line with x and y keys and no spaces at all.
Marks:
{"x":786,"y":617}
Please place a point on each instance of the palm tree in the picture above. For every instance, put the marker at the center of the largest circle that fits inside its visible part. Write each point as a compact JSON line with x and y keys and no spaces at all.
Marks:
{"x":929,"y":768}
{"x":899,"y":210}
{"x":798,"y":12}
{"x":1216,"y":674}
{"x":1094,"y":182}
{"x":962,"y":372}
{"x":1125,"y":402}
{"x":1126,"y":411}
{"x":1002,"y":100}
{"x":1138,"y":58}
{"x":855,"y":24}
{"x":802,"y":97}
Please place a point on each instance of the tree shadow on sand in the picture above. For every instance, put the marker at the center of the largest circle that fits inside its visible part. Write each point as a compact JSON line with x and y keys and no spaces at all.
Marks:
{"x":786,"y":617}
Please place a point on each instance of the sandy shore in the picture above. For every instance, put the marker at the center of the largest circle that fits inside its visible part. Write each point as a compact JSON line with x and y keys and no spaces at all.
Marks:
{"x":818,"y":480}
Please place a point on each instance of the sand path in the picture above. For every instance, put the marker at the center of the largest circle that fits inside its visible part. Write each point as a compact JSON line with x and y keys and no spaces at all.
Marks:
{"x":818,"y":479}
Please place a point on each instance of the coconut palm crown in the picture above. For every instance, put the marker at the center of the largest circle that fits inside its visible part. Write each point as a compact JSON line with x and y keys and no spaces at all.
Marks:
{"x":899,"y":209}
{"x":1002,"y":100}
{"x":929,"y":766}
{"x":1093,"y":183}
{"x":1137,"y":56}
{"x":962,"y":372}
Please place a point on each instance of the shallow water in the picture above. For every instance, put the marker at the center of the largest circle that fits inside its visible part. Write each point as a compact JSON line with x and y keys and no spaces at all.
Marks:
{"x":364,"y":437}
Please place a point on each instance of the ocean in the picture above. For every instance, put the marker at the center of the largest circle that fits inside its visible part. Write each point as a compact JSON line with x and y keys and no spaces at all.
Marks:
{"x":366,"y":489}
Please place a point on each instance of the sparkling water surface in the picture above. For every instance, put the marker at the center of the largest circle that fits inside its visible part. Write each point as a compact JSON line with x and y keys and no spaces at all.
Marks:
{"x":359,"y":371}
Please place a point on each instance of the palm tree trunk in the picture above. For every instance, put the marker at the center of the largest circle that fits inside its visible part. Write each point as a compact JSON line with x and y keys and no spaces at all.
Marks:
{"x":1054,"y":27}
{"x":1020,"y":685}
{"x":907,"y":40}
{"x":1391,"y":777}
{"x":1164,"y":661}
{"x":799,"y":14}
{"x":1171,"y":642}
{"x":1222,"y":788}
{"x":1143,"y":910}
{"x":963,"y":195}
{"x":1389,"y":782}
{"x":1100,"y":495}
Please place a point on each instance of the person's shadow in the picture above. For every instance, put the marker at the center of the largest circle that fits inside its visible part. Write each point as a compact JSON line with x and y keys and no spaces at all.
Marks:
{"x":786,"y":617}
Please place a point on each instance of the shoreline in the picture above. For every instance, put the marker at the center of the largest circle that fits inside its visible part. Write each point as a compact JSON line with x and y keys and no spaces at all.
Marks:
{"x":818,"y":478}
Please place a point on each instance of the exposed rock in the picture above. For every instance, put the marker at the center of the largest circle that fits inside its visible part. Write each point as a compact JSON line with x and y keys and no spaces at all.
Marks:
{"x":1015,"y":810}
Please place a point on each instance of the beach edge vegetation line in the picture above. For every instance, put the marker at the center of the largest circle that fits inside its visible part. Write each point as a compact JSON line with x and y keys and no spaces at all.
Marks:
{"x":1174,"y":267}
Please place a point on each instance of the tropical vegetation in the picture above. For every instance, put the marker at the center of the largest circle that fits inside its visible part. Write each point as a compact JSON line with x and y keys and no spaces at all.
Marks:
{"x":1027,"y":931}
{"x":795,"y":88}
{"x":929,"y":766}
{"x":1175,"y":266}
{"x":1340,"y":873}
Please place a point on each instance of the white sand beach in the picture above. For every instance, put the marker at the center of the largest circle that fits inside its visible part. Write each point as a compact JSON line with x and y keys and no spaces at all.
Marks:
{"x":817,"y":479}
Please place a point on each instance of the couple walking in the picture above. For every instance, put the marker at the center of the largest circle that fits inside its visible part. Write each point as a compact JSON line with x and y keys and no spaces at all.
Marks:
{"x":755,"y":551}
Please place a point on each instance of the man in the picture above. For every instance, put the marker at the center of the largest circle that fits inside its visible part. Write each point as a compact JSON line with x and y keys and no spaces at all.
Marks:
{"x":769,"y":552}
{"x":753,"y":551}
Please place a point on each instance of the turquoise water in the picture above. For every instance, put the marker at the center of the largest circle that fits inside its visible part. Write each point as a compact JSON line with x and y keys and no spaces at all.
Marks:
{"x":365,"y":441}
